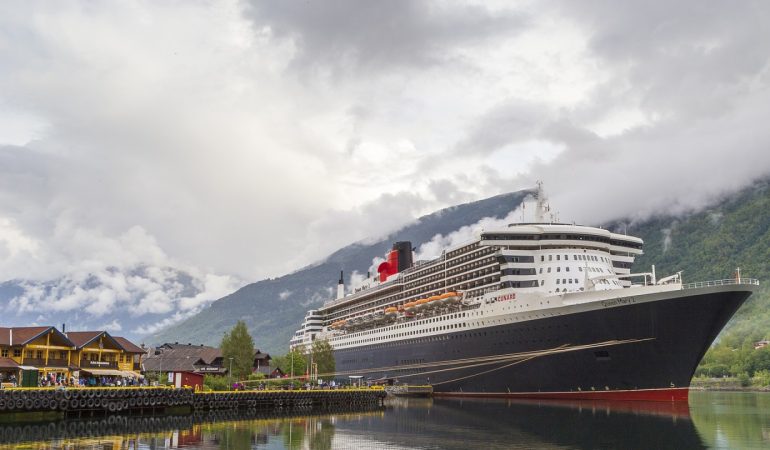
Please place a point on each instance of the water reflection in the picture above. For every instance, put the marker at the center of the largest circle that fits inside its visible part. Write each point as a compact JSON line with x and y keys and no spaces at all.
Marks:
{"x":711,"y":420}
{"x":733,"y":420}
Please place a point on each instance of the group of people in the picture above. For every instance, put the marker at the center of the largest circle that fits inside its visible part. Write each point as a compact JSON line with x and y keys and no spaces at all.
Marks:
{"x":8,"y":379}
{"x":108,"y":381}
{"x":59,"y":379}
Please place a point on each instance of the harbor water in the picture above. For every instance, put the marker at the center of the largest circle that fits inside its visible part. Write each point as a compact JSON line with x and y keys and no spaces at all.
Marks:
{"x":725,"y":420}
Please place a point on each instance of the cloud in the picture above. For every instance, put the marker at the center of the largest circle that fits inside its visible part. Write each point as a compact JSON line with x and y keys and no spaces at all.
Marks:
{"x":439,"y":243}
{"x":133,"y":145}
{"x":347,"y":34}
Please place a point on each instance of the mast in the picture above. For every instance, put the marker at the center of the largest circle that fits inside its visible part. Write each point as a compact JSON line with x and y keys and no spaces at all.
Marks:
{"x":541,"y":208}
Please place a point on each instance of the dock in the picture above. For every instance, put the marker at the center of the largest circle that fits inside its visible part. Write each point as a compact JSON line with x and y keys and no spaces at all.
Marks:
{"x":99,"y":401}
{"x":409,"y":391}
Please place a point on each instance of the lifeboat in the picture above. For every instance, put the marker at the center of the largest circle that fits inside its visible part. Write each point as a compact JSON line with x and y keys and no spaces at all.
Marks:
{"x":422,"y":304}
{"x":410,"y":307}
{"x":391,"y":312}
{"x":434,"y":301}
{"x":453,"y":298}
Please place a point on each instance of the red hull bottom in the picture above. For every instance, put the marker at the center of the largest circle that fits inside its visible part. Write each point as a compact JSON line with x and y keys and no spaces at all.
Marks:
{"x":647,"y":395}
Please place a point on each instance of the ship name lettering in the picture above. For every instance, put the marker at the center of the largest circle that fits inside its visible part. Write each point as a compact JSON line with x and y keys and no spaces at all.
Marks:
{"x":506,"y":297}
{"x":618,"y":301}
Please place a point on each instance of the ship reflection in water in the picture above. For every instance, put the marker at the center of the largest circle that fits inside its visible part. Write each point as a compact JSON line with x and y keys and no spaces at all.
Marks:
{"x":726,"y":420}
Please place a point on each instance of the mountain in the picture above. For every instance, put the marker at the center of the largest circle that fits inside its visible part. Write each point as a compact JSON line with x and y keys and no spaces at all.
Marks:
{"x":711,"y":244}
{"x":273,"y":309}
{"x":704,"y":245}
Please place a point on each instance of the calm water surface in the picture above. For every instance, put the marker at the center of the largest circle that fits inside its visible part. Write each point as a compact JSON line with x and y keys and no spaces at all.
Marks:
{"x":712,"y":420}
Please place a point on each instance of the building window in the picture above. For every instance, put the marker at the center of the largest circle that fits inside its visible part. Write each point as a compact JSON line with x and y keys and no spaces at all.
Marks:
{"x":558,"y":269}
{"x":62,"y":355}
{"x":567,"y":268}
{"x":558,"y":257}
{"x":4,"y":353}
{"x":16,"y":353}
{"x":39,"y":354}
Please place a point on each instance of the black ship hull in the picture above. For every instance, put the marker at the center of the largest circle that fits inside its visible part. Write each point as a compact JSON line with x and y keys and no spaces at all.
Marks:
{"x":642,"y":351}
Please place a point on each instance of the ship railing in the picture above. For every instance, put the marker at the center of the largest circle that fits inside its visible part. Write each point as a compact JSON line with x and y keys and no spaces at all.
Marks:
{"x":729,"y":282}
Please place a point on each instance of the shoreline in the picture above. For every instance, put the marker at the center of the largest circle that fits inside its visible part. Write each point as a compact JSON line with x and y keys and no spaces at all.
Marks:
{"x":724,"y":385}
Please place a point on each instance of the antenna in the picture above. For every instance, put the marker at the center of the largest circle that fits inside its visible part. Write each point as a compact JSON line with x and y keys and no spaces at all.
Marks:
{"x":541,"y":207}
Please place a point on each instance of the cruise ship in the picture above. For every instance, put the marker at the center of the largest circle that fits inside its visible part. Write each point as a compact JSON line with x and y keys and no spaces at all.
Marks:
{"x":533,"y":310}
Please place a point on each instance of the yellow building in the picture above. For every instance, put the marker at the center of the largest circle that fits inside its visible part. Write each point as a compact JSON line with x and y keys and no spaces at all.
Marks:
{"x":50,"y":351}
{"x":44,"y":348}
{"x":99,"y":354}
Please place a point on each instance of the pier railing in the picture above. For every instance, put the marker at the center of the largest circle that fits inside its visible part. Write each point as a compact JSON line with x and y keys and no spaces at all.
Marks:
{"x":729,"y":282}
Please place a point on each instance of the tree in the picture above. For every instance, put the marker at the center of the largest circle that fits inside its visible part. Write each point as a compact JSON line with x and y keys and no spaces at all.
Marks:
{"x":238,"y":345}
{"x":294,"y":357}
{"x":323,"y":355}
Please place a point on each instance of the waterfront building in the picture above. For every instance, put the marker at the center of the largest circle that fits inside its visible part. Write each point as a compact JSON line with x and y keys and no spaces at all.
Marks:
{"x":170,"y":358}
{"x":173,"y":358}
{"x":45,"y":349}
{"x":130,"y":360}
{"x":60,"y":356}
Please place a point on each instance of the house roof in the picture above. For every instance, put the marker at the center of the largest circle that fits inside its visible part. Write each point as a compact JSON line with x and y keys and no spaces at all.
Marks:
{"x":82,"y":338}
{"x":259,"y":355}
{"x":8,"y":363}
{"x":128,"y":346}
{"x":21,"y":335}
{"x":181,"y":358}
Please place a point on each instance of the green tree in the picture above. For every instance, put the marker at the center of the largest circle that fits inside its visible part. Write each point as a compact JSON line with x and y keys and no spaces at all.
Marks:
{"x":238,"y":345}
{"x":293,"y":357}
{"x":323,"y":355}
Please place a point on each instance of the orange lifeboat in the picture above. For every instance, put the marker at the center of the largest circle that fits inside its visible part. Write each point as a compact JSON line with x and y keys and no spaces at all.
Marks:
{"x":452,"y":297}
{"x":421,"y":303}
{"x":391,"y":312}
{"x":410,"y":307}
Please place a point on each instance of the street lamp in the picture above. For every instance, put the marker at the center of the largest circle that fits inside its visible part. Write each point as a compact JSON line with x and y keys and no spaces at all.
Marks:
{"x":230,"y":373}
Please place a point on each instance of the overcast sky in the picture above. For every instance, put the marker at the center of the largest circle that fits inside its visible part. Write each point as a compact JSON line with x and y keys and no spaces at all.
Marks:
{"x":240,"y":140}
